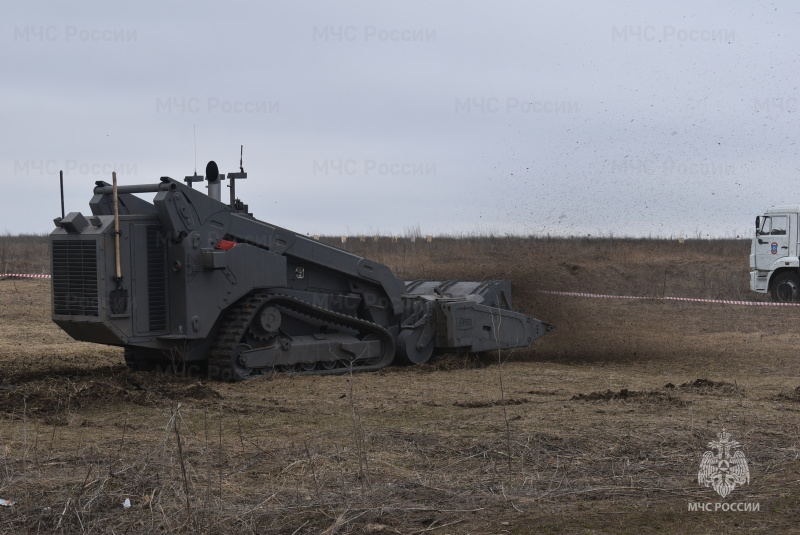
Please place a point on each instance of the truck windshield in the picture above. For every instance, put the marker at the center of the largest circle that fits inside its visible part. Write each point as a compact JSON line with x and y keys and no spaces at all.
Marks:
{"x":773,"y":226}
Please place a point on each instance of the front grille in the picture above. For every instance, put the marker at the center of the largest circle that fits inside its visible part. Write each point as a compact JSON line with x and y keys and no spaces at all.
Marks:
{"x":75,"y":277}
{"x":156,"y":279}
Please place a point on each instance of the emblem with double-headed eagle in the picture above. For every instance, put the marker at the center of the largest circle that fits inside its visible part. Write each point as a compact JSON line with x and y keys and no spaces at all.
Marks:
{"x":722,"y":469}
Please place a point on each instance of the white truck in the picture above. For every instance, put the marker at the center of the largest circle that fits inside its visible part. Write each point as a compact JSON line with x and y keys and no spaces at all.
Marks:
{"x":774,"y":254}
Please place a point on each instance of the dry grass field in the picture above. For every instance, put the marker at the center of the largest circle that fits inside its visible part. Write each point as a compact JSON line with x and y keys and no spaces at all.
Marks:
{"x":597,"y":428}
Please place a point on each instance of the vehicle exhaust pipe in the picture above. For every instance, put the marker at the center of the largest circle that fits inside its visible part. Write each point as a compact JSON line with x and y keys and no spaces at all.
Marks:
{"x":214,"y":181}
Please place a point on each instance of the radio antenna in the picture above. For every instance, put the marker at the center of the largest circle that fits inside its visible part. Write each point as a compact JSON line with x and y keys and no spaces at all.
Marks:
{"x":194,"y":177}
{"x":237,"y":205}
{"x":61,"y":179}
{"x":194,"y":131}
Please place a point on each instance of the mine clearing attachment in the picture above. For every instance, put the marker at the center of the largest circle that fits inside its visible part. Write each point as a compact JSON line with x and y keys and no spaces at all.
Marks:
{"x":189,"y":280}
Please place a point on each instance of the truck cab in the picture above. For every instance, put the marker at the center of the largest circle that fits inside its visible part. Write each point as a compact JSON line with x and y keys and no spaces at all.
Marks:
{"x":774,"y":254}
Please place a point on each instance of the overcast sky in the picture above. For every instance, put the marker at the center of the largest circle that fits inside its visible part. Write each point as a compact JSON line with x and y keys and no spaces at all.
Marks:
{"x":616,"y":117}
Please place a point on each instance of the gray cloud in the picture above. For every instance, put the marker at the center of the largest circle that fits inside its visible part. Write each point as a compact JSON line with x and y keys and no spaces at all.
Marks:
{"x":615,"y":118}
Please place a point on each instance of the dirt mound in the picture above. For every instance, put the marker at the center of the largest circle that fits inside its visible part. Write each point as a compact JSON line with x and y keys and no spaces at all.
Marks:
{"x":793,"y":395}
{"x":626,"y":395}
{"x":708,"y":386}
{"x":450,"y":362}
{"x":47,"y":393}
{"x":61,"y":371}
{"x":489,"y":403}
{"x":608,"y":395}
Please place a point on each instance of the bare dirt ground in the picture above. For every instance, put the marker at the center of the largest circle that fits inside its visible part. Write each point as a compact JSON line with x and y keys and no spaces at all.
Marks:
{"x":597,"y":428}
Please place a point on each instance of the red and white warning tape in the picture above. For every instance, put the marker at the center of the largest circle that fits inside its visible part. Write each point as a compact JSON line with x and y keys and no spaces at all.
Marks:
{"x":551,"y":292}
{"x":722,"y":301}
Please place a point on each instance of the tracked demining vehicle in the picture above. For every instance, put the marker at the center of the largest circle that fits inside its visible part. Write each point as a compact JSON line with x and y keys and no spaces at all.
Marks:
{"x":188,"y":279}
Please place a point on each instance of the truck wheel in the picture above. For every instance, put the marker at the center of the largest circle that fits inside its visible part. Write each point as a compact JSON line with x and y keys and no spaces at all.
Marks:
{"x":786,"y":288}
